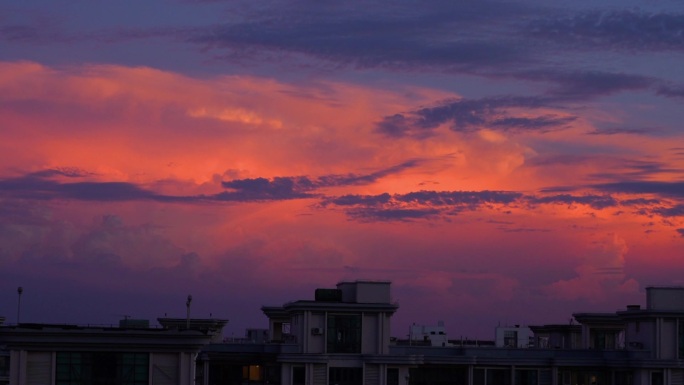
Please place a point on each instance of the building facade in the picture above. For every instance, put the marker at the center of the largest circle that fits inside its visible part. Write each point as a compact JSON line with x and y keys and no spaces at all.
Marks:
{"x":342,"y":337}
{"x":43,"y":354}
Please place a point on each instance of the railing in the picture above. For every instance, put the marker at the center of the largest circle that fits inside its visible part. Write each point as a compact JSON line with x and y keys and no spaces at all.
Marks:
{"x":518,"y":353}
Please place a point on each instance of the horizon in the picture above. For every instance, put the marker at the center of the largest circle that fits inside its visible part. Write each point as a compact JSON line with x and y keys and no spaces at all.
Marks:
{"x":9,"y":320}
{"x":496,"y":161}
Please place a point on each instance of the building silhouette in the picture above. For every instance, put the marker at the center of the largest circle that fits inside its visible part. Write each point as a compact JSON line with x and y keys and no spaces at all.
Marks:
{"x":342,"y":337}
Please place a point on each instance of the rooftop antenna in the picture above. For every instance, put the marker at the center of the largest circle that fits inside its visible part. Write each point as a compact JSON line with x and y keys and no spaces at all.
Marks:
{"x":187,"y":320}
{"x":19,"y":291}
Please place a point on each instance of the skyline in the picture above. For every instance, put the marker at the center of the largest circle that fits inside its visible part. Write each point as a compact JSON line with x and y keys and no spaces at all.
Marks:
{"x":498,"y":161}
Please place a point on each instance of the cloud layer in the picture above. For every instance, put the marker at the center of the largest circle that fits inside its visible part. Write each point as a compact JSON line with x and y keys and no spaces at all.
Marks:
{"x":520,"y":159}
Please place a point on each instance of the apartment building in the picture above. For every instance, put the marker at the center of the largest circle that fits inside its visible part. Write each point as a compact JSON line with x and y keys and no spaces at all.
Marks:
{"x":342,"y":337}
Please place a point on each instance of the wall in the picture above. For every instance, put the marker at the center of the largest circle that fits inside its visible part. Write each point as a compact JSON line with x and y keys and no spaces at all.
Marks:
{"x":370,"y":339}
{"x":665,"y":298}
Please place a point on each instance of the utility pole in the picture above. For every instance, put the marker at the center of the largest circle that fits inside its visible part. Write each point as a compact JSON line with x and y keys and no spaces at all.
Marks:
{"x":19,"y":291}
{"x":187,"y":320}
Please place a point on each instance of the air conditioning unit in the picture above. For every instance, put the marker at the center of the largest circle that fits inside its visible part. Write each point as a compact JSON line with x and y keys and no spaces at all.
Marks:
{"x":317,"y":331}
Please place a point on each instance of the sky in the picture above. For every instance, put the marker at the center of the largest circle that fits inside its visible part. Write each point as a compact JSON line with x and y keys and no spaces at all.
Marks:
{"x":500,"y":162}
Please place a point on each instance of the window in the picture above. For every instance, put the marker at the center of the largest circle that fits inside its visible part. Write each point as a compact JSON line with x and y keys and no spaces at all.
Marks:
{"x":680,"y":340}
{"x":298,"y":375}
{"x":102,"y":368}
{"x":498,"y":377}
{"x":526,"y":377}
{"x":344,"y":333}
{"x":345,"y":376}
{"x":624,"y":377}
{"x":510,"y":339}
{"x":4,"y":366}
{"x":439,"y":375}
{"x":657,"y":378}
{"x":603,"y":339}
{"x":251,"y":373}
{"x":392,"y":376}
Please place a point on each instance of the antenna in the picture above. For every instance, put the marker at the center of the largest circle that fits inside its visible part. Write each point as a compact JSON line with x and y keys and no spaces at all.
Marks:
{"x":19,"y":291}
{"x":187,"y":320}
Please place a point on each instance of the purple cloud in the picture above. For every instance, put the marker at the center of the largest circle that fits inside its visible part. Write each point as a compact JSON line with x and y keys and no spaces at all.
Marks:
{"x":622,"y":30}
{"x":674,"y":189}
{"x":467,"y":115}
{"x":597,"y":202}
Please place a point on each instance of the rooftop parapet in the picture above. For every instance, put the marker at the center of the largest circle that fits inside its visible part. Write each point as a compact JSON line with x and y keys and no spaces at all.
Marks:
{"x":665,"y":298}
{"x":365,"y":291}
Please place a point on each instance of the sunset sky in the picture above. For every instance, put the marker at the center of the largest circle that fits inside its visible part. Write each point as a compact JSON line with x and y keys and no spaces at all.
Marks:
{"x":500,"y":162}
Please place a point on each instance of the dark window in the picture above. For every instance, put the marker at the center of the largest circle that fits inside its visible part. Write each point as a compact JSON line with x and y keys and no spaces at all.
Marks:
{"x":344,"y":333}
{"x":438,"y":375}
{"x":345,"y":376}
{"x":526,"y":377}
{"x":680,"y":340}
{"x":498,"y":377}
{"x":101,"y":368}
{"x":478,"y":377}
{"x":510,"y":339}
{"x":624,"y":377}
{"x":298,"y":375}
{"x":392,"y":376}
{"x":657,"y":378}
{"x":583,"y":377}
{"x":4,"y":366}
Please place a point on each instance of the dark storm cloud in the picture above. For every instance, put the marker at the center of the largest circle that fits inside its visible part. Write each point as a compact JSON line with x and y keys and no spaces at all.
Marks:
{"x":470,"y":199}
{"x":439,"y":33}
{"x":258,"y":189}
{"x":467,"y":115}
{"x":596,"y":202}
{"x":419,"y":204}
{"x":630,"y":30}
{"x":580,"y":85}
{"x":635,"y":170}
{"x":390,"y":214}
{"x":465,"y":198}
{"x":30,"y":26}
{"x":668,"y":212}
{"x":300,"y":186}
{"x":672,"y":91}
{"x":39,"y":186}
{"x":540,"y":123}
{"x":623,"y":131}
{"x":23,"y":33}
{"x":70,"y":172}
{"x":355,"y":179}
{"x":674,"y":189}
{"x":640,"y":202}
{"x":522,"y":230}
{"x":51,"y":184}
{"x":364,"y":200}
{"x":428,"y":204}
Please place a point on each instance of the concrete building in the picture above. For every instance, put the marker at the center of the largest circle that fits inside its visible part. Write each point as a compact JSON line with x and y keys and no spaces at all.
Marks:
{"x":342,"y":337}
{"x":79,"y":355}
{"x":513,"y":337}
{"x":428,"y":335}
